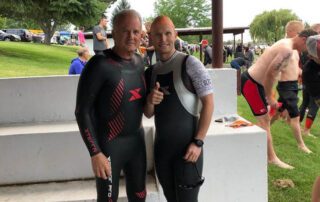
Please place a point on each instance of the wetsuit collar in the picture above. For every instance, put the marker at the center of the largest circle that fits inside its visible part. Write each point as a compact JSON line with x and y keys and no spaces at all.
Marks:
{"x":170,"y":58}
{"x":118,"y":57}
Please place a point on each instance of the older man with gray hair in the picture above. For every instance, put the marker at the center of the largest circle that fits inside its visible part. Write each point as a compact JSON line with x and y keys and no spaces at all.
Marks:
{"x":110,"y":100}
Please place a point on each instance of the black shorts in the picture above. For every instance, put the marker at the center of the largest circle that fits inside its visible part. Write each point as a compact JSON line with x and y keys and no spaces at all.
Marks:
{"x":288,"y":96}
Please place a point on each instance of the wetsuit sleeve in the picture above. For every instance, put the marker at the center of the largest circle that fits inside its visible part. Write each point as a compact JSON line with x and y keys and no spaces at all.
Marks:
{"x":200,"y":77}
{"x":90,"y":83}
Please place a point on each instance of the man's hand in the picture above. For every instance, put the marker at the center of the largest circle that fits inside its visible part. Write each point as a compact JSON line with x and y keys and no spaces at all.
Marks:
{"x":156,"y":96}
{"x":273,"y":103}
{"x":101,"y":166}
{"x":193,"y":153}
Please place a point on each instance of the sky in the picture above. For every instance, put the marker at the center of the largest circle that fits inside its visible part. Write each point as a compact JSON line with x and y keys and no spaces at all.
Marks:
{"x":238,"y":13}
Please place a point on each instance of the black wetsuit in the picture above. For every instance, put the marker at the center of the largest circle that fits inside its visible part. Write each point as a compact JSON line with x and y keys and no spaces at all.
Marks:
{"x":110,"y":100}
{"x":175,"y":129}
{"x":307,"y":101}
{"x":311,"y":80}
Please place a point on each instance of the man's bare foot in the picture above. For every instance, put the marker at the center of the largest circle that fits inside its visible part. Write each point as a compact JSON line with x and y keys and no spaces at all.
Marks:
{"x":308,"y":134}
{"x":305,"y":149}
{"x":281,"y":164}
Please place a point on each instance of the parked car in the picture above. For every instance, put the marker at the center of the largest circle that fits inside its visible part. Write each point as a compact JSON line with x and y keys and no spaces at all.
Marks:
{"x":8,"y":37}
{"x":24,"y":34}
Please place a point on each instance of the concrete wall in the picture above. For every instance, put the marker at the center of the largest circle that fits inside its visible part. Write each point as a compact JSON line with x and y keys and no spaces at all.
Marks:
{"x":235,"y":165}
{"x":48,"y":152}
{"x":42,"y":99}
{"x":225,"y":93}
{"x":37,"y":99}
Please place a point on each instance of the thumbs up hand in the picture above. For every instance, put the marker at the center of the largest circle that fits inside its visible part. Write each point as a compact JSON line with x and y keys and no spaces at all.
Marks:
{"x":156,"y":96}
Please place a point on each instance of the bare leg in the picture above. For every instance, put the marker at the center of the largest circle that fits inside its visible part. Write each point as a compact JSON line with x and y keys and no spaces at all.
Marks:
{"x":306,"y":132}
{"x":307,"y":127}
{"x":295,"y":125}
{"x":264,"y":122}
{"x":275,"y":117}
{"x":316,"y":190}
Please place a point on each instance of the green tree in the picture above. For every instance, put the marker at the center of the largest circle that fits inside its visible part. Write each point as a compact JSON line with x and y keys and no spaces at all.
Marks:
{"x":186,"y":13}
{"x":48,"y":14}
{"x":122,"y":5}
{"x":13,"y":23}
{"x":270,"y":25}
{"x":3,"y":22}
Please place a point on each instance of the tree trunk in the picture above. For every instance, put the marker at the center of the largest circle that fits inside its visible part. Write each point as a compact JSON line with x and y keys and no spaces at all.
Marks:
{"x":48,"y":29}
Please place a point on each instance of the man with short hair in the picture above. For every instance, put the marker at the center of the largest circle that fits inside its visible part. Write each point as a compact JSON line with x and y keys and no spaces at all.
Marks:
{"x":288,"y":87}
{"x":257,"y":83}
{"x":307,"y":100}
{"x":77,"y":64}
{"x":109,"y":107}
{"x":177,"y":84}
{"x":100,"y":41}
{"x":311,"y":71}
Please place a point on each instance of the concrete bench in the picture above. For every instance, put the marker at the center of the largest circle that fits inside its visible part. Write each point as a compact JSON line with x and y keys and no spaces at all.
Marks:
{"x":42,"y":152}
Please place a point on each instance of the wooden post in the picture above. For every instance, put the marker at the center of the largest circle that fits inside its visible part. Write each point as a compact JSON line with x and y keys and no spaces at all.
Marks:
{"x":217,"y":33}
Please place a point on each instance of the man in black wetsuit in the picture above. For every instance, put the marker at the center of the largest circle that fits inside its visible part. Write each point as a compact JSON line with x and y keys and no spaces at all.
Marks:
{"x":110,"y":100}
{"x":177,"y":84}
{"x":311,"y":70}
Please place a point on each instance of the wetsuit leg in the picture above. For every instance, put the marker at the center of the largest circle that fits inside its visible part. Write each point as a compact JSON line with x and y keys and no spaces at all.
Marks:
{"x":172,"y":171}
{"x":189,"y":176}
{"x":108,"y":190}
{"x":304,"y":104}
{"x":313,"y":109}
{"x":135,"y":172}
{"x":127,"y":153}
{"x":164,"y":167}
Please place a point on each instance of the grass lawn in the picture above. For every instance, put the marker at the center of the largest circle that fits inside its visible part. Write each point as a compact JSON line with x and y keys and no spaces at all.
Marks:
{"x":307,"y":166}
{"x":28,"y":59}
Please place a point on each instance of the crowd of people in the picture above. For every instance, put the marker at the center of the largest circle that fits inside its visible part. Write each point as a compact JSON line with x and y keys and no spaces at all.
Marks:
{"x":115,"y":89}
{"x":279,"y":65}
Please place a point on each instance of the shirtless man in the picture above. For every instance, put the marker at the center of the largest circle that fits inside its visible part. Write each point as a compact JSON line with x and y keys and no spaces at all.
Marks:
{"x":258,"y":81}
{"x":288,"y":87}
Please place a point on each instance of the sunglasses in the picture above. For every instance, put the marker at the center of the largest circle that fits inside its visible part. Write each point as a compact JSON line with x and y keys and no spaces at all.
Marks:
{"x":199,"y":182}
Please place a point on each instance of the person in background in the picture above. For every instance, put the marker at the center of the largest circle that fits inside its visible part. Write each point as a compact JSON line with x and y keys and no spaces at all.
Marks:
{"x":77,"y":64}
{"x":249,"y":56}
{"x":81,"y":38}
{"x":151,"y":54}
{"x":288,"y":87}
{"x":237,"y":63}
{"x":207,"y":50}
{"x":257,"y":83}
{"x":307,"y":101}
{"x":100,"y":40}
